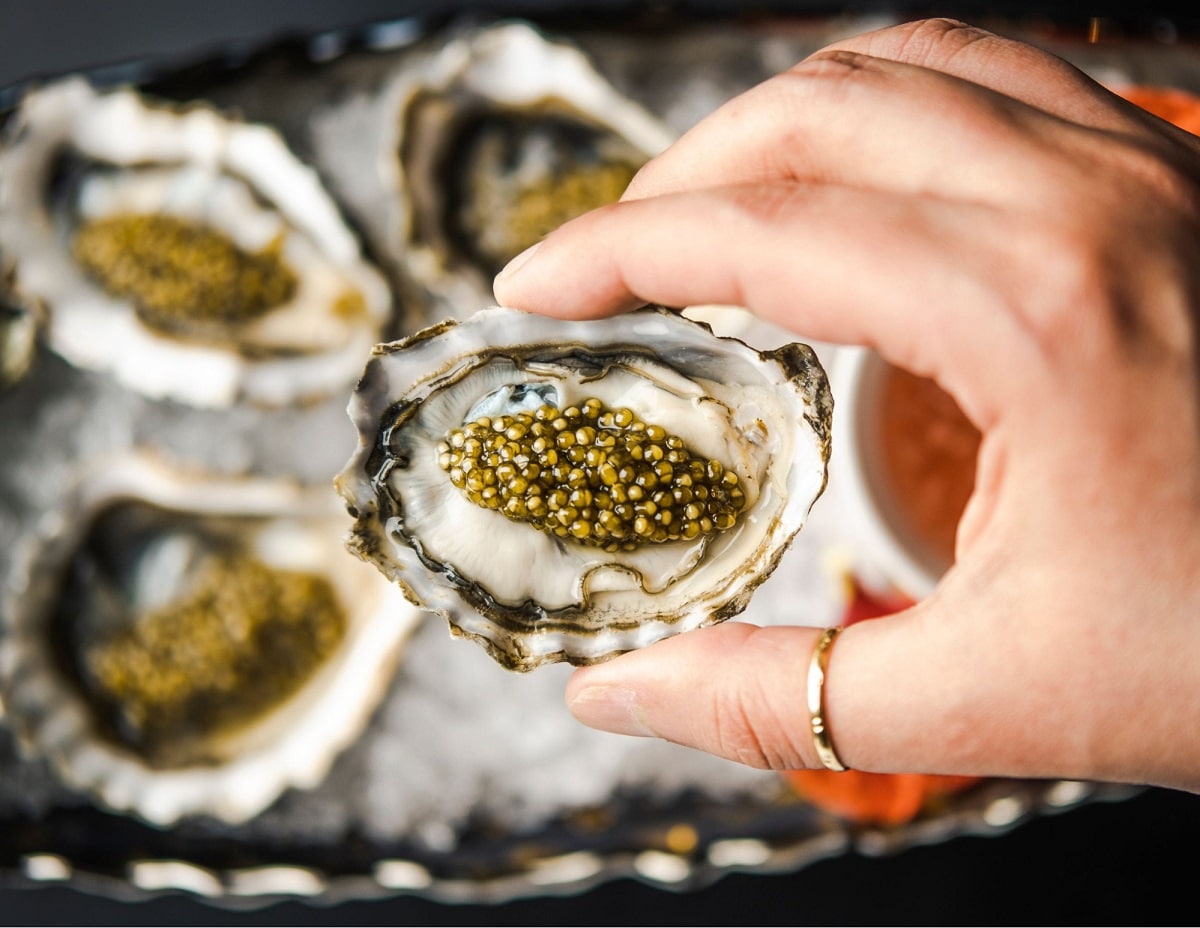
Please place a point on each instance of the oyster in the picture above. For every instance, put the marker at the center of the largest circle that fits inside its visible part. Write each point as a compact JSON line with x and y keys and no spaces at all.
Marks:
{"x":190,"y":645}
{"x":501,"y":136}
{"x":190,"y":255}
{"x":571,"y":490}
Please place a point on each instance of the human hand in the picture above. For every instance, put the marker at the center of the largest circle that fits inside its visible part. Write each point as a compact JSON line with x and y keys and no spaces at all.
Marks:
{"x":981,"y":213}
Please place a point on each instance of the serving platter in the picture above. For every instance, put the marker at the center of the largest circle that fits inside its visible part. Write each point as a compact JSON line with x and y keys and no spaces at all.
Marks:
{"x":469,"y":784}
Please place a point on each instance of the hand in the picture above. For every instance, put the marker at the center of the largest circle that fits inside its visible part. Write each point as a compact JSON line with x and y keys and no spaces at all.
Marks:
{"x":984,"y":214}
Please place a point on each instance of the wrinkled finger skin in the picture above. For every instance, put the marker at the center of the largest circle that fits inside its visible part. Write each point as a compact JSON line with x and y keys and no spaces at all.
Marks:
{"x":982,"y":213}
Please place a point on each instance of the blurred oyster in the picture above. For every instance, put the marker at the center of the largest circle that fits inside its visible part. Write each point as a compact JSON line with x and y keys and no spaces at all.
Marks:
{"x":192,"y":646}
{"x":571,"y":490}
{"x":190,"y":255}
{"x":501,"y":136}
{"x":18,"y":332}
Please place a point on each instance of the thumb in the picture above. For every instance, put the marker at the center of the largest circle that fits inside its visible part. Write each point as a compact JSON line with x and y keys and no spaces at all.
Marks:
{"x":907,"y":693}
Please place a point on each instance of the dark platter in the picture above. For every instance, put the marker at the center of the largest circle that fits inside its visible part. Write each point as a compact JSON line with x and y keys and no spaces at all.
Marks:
{"x":682,"y":836}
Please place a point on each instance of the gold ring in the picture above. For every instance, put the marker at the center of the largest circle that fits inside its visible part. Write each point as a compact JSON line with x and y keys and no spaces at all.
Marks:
{"x":816,"y":700}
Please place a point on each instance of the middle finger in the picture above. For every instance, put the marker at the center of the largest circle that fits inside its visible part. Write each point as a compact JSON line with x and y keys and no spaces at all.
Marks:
{"x":841,"y":117}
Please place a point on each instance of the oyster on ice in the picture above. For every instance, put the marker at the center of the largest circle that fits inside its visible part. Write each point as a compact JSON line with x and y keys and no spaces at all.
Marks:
{"x":180,"y":644}
{"x":192,"y":256}
{"x":501,"y":135}
{"x":572,"y":490}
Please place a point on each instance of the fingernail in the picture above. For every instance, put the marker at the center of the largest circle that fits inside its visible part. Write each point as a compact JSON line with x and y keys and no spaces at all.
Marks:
{"x":610,"y":708}
{"x":510,"y":269}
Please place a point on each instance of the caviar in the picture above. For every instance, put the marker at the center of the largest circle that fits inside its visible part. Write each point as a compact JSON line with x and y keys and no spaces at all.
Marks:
{"x":599,"y":476}
{"x":245,"y":637}
{"x":181,"y":276}
{"x":519,"y":179}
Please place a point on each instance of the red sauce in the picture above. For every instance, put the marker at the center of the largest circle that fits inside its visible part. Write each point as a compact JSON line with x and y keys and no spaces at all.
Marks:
{"x":929,"y":454}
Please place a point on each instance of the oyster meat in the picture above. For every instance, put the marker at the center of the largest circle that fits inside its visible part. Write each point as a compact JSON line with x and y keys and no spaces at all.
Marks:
{"x":572,"y":490}
{"x":186,"y":644}
{"x":191,"y":255}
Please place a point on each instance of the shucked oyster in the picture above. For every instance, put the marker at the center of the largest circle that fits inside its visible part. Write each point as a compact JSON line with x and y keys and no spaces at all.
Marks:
{"x":191,"y":255}
{"x":190,"y":645}
{"x":571,"y":490}
{"x":500,"y":137}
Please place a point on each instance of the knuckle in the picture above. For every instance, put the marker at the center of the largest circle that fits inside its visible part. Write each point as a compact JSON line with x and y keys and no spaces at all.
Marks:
{"x":1161,"y":178}
{"x":746,"y":719}
{"x":831,"y":63}
{"x":1094,"y":257}
{"x":736,"y":735}
{"x":932,"y":40}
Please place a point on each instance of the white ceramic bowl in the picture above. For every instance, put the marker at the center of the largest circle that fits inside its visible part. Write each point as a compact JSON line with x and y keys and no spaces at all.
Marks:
{"x":886,"y":552}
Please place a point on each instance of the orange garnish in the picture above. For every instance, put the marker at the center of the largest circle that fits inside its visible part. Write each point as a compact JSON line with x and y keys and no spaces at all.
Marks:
{"x":874,"y":798}
{"x":1175,"y":106}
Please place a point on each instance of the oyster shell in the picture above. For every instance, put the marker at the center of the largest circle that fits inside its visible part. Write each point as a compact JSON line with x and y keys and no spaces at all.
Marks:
{"x":499,"y":136}
{"x":190,"y":255}
{"x":183,"y":645}
{"x":627,"y":560}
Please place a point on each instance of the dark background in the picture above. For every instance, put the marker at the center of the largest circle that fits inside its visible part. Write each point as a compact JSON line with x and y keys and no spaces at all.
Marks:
{"x":1129,"y":862}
